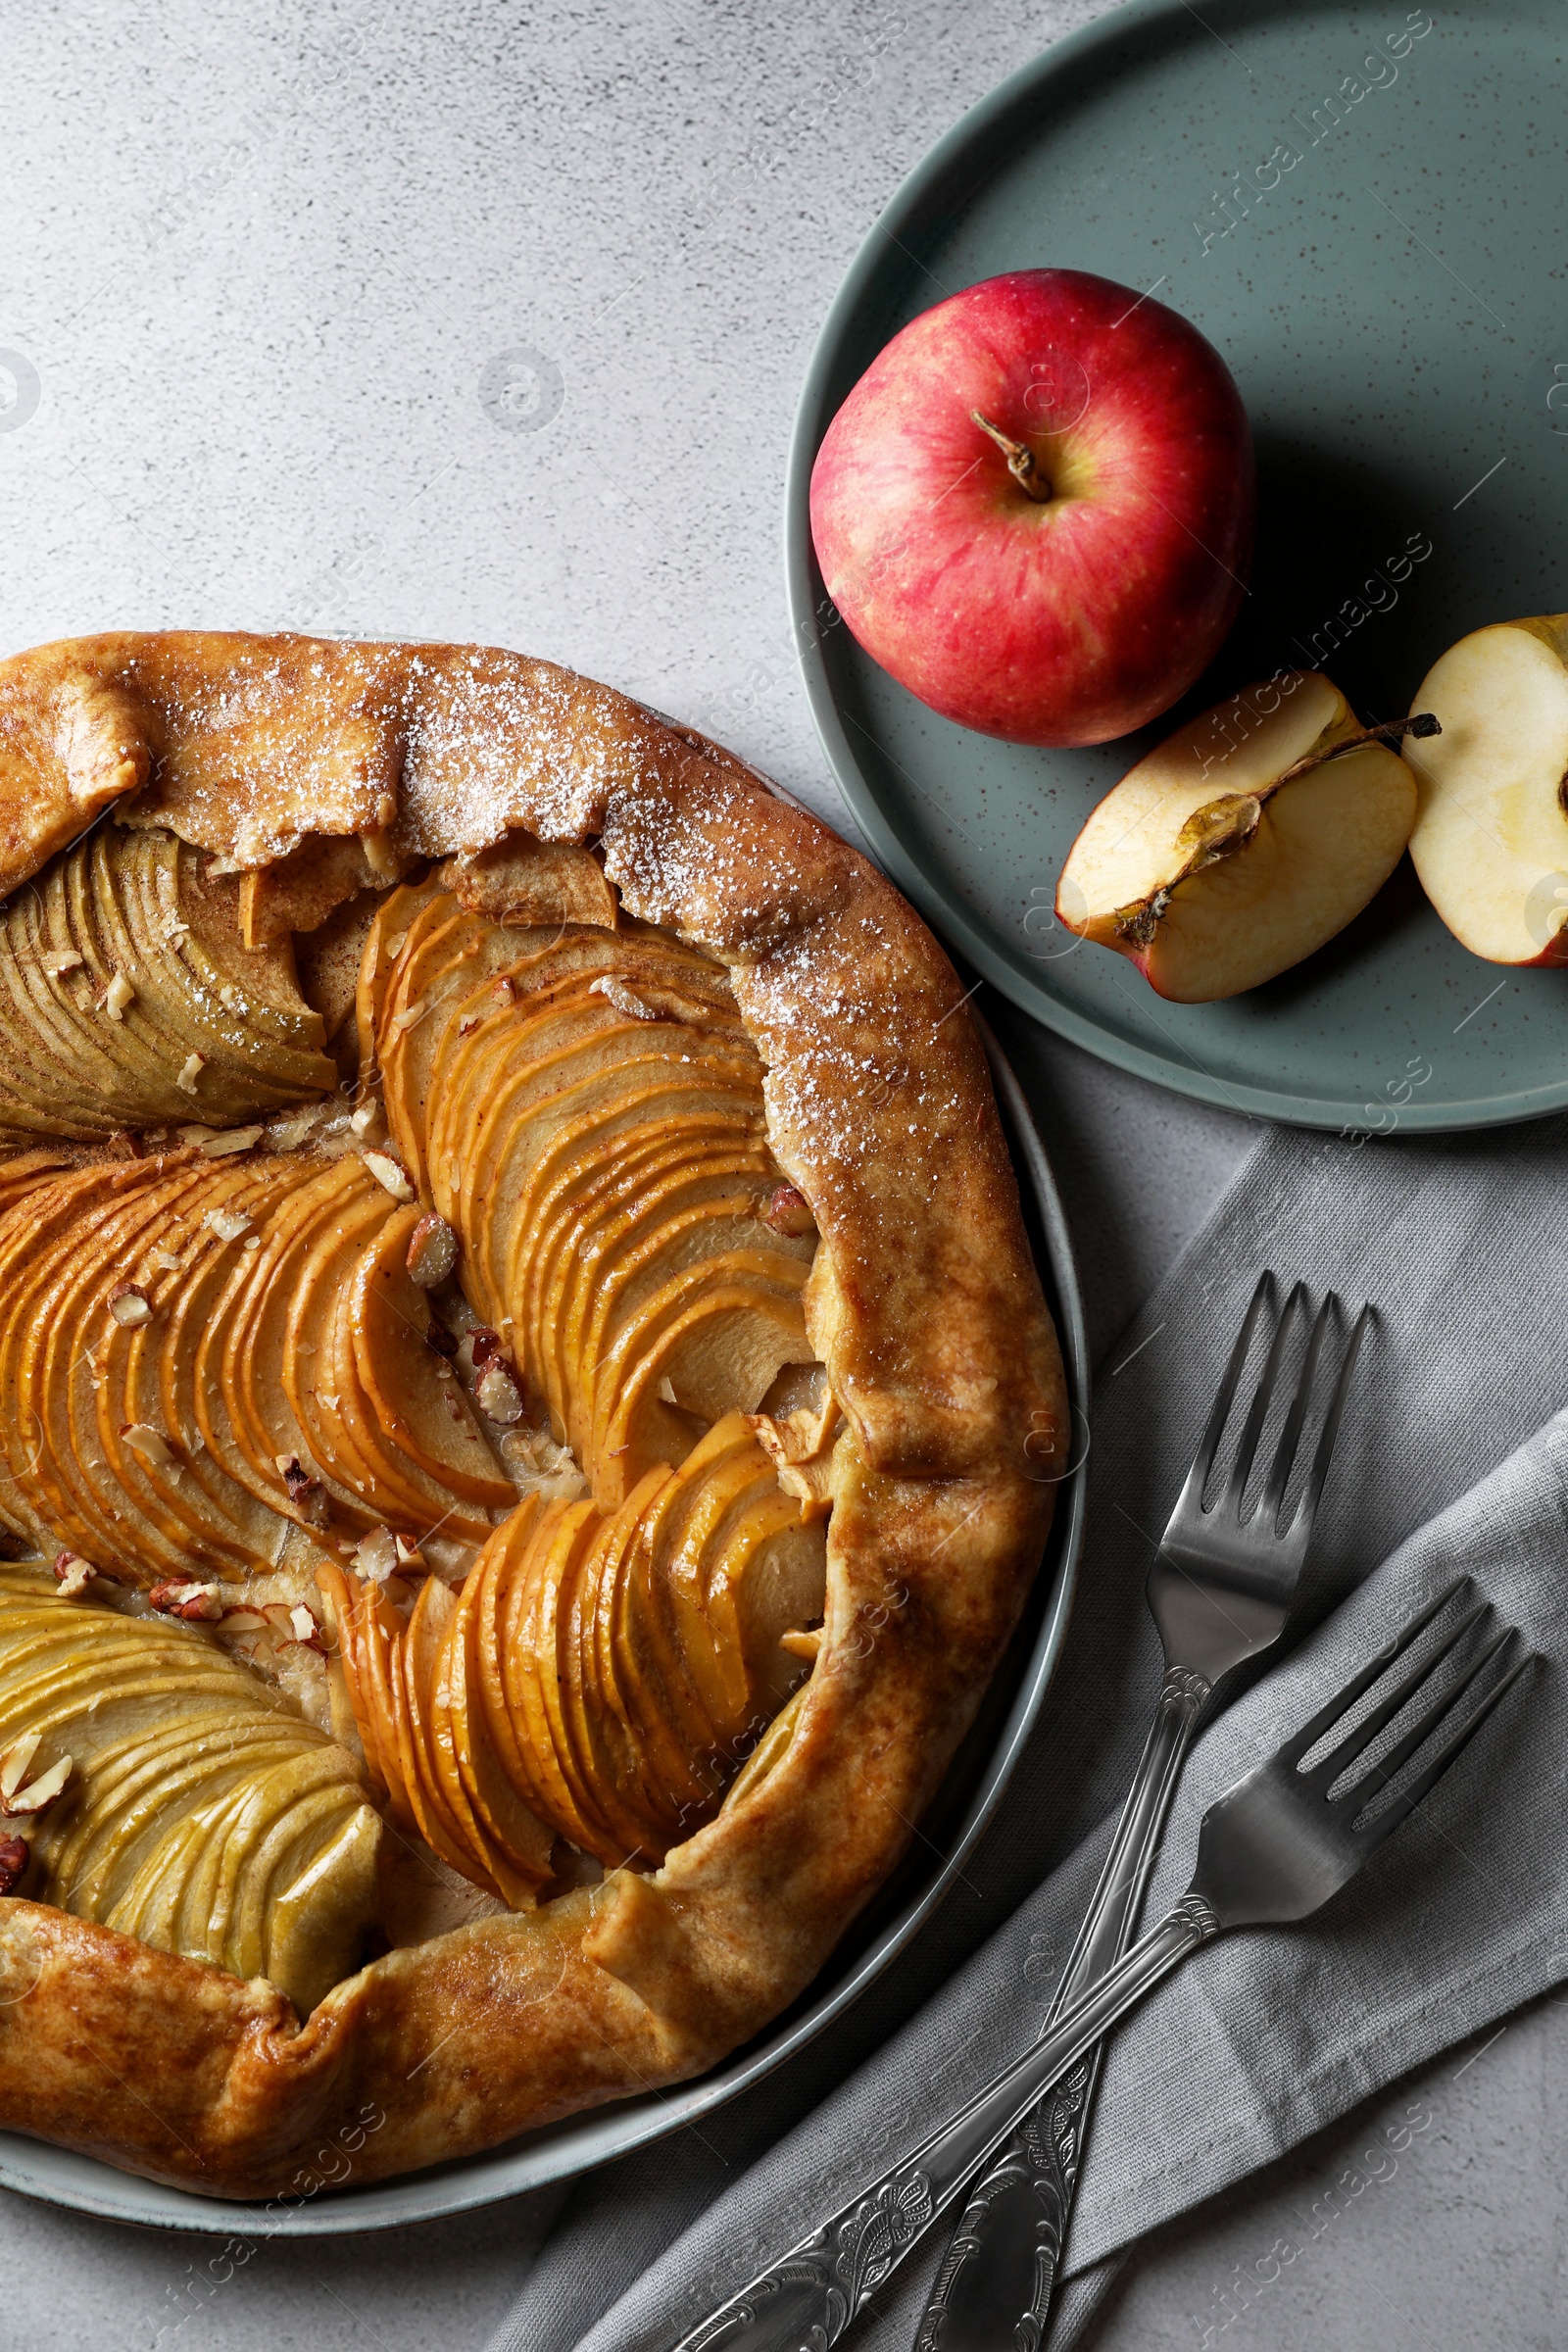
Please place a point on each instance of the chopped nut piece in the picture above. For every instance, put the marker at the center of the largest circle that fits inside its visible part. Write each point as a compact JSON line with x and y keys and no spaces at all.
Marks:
{"x":167,"y":1259}
{"x":227,"y":1223}
{"x":483,"y":1345}
{"x":117,"y":995}
{"x":14,"y":1765}
{"x":70,"y":961}
{"x":504,"y":991}
{"x":191,"y":1071}
{"x":410,"y":1017}
{"x":243,"y":1621}
{"x":305,"y":1491}
{"x":183,"y":1598}
{"x":788,"y":1212}
{"x":410,"y":1556}
{"x":238,"y":1139}
{"x":497,"y":1394}
{"x":432,"y":1252}
{"x":365,"y":1117}
{"x":286,"y":1135}
{"x":624,"y":999}
{"x":375,"y":1557}
{"x":303,"y":1623}
{"x":14,"y":1857}
{"x":129,"y":1304}
{"x":395,"y":944}
{"x":72,"y":1574}
{"x":468,"y":1024}
{"x":19,"y":1794}
{"x":230,"y":998}
{"x":384,"y":1168}
{"x":149,"y":1443}
{"x":195,"y":1133}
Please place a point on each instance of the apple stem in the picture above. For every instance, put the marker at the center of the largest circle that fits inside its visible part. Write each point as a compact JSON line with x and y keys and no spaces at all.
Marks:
{"x":1021,"y":460}
{"x":1391,"y":732}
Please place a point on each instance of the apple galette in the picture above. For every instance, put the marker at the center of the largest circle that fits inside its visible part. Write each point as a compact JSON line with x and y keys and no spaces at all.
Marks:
{"x":526,"y":1413}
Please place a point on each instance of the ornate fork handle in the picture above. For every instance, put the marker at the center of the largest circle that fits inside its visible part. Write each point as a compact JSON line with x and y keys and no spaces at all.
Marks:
{"x":805,"y":2302}
{"x":996,"y":2279}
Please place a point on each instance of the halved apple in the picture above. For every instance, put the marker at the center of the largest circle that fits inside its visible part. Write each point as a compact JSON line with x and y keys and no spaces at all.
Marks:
{"x":1491,"y":839}
{"x":1244,"y":841}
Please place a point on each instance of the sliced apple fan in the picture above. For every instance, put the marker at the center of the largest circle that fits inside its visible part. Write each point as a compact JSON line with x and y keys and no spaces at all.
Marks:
{"x":223,"y":1380}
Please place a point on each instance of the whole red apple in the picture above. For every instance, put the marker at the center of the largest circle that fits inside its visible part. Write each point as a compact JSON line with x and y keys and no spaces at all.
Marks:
{"x":1035,"y":509}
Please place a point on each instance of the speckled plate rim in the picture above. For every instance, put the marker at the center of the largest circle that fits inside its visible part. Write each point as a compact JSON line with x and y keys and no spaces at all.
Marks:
{"x":61,"y":2176}
{"x":954,"y":160}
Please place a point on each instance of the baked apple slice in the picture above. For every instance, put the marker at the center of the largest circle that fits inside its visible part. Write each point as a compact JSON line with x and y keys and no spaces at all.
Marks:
{"x":172,"y":1374}
{"x":54,"y":1075}
{"x":693,"y":1163}
{"x":186,"y":922}
{"x":384,"y":944}
{"x":522,"y":1837}
{"x":429,"y":1644}
{"x":243,"y":1398}
{"x":387,"y":1320}
{"x":530,"y":1670}
{"x":376,"y":1457}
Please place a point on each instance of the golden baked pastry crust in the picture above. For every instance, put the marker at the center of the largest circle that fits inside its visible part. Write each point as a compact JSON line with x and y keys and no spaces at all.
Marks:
{"x":923,"y":1304}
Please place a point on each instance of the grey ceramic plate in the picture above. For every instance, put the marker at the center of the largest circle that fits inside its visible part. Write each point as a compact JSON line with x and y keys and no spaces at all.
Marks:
{"x":962,"y":1806}
{"x":1392,"y":311}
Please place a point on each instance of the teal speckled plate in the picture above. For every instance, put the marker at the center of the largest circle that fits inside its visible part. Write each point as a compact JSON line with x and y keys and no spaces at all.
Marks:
{"x":1394,"y":304}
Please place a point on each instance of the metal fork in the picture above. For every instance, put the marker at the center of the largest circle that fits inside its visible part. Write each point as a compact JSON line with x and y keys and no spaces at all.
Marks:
{"x":1220,"y":1591}
{"x":1272,"y":1850}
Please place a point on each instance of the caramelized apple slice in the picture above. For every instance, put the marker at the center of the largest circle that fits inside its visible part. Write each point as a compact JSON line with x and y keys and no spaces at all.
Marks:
{"x":169,"y":1370}
{"x":608,"y":1757}
{"x":247,"y":1410}
{"x":712,"y":1338}
{"x":56,"y":1372}
{"x":491,"y":1587}
{"x":523,"y":1837}
{"x":383,"y":945}
{"x":439,"y":1826}
{"x":446,"y":1716}
{"x":25,"y":1172}
{"x":28,"y":1238}
{"x":530,"y":1670}
{"x":447,"y":954}
{"x":426,"y":1418}
{"x":562,"y":1234}
{"x":619,"y":1138}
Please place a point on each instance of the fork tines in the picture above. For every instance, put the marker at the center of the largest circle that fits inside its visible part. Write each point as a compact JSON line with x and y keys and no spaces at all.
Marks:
{"x":1442,"y":1710}
{"x":1279,"y":1476}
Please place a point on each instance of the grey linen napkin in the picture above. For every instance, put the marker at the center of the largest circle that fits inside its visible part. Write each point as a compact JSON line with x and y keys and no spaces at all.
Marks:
{"x":1263,"y":2038}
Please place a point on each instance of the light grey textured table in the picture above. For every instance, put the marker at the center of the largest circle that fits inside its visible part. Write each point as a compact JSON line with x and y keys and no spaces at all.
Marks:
{"x":445,"y":318}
